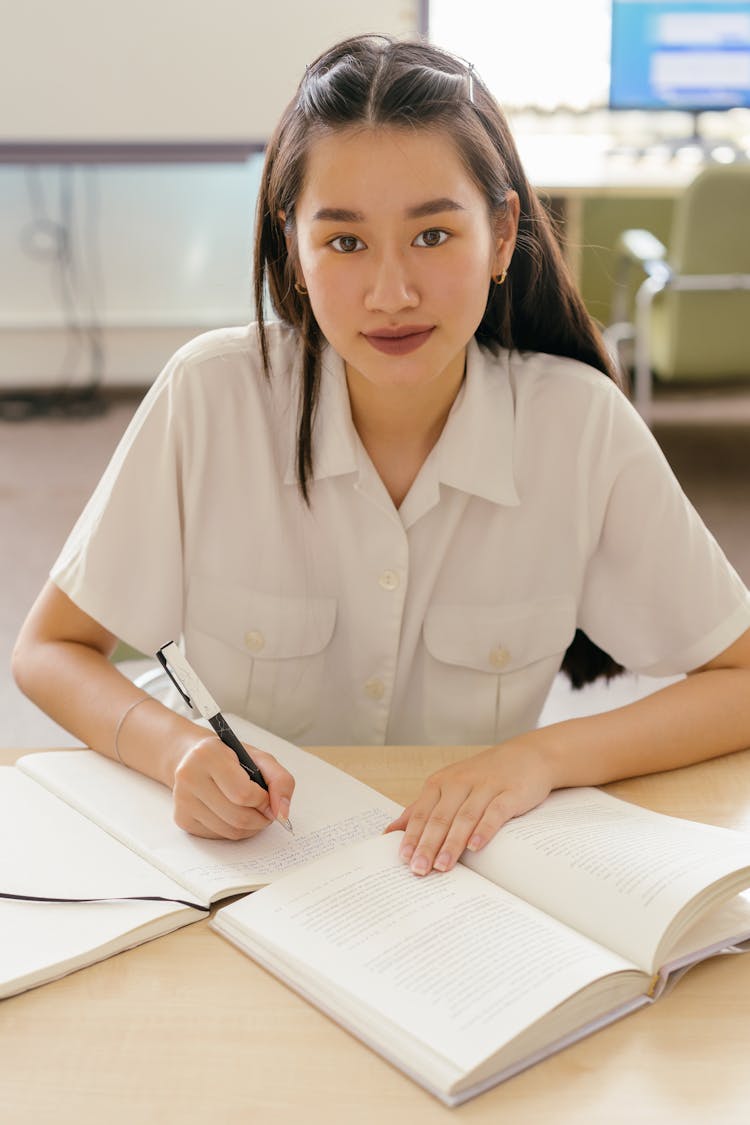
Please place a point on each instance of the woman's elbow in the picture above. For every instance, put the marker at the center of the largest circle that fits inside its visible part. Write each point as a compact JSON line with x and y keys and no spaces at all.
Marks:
{"x":23,"y":663}
{"x":54,"y":623}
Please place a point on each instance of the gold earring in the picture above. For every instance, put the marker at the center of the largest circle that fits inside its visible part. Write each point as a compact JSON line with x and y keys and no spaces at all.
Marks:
{"x":500,"y":278}
{"x":300,"y":289}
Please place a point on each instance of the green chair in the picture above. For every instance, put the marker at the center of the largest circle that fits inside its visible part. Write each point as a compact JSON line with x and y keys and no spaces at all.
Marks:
{"x":691,"y":316}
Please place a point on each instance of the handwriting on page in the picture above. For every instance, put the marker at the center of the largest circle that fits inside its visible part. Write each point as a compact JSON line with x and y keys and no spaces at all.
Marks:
{"x":266,"y":858}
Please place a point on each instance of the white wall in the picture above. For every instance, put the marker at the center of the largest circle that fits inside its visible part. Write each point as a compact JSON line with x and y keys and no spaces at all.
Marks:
{"x":140,"y":258}
{"x":167,"y":69}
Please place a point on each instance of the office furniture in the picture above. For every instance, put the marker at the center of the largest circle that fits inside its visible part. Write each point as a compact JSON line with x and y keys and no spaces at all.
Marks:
{"x":692,"y":312}
{"x":579,"y":175}
{"x":187,"y":1029}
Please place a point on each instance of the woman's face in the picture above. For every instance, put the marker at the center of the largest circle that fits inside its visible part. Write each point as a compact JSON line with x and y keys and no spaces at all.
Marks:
{"x":397,"y":249}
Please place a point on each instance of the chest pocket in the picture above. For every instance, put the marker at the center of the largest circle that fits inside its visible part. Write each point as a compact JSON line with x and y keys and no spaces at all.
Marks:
{"x":488,"y":669}
{"x":267,"y":652}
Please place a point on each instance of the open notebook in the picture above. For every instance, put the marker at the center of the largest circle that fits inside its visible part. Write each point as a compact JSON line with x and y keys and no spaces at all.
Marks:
{"x":77,"y":826}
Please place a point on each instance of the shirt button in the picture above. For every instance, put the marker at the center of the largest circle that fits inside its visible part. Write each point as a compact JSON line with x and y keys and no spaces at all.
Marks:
{"x":499,"y":657}
{"x":375,"y":688}
{"x":389,"y":580}
{"x":254,"y":640}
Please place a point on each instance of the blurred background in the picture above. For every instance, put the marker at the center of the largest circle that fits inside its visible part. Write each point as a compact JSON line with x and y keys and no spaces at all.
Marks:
{"x":131,"y":141}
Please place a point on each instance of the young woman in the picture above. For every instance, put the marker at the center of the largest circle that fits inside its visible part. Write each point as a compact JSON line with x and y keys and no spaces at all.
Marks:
{"x":393,"y":513}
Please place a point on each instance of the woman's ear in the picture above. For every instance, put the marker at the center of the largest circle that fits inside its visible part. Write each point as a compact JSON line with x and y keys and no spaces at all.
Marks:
{"x":291,"y":249}
{"x":281,"y":216}
{"x":506,"y":231}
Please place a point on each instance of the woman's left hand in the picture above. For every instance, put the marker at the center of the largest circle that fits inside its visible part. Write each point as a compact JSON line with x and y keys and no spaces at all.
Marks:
{"x":465,"y":804}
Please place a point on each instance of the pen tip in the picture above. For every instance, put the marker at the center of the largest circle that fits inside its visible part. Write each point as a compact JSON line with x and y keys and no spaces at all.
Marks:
{"x":285,"y":822}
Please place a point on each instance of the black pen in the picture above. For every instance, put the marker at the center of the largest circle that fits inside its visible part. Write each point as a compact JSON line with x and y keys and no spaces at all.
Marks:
{"x":196,"y":695}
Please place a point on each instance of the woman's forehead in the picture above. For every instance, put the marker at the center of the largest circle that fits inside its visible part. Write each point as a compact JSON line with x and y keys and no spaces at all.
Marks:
{"x":349,"y":168}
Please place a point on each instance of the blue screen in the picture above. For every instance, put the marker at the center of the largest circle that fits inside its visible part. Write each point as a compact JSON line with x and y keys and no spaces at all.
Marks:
{"x":674,"y":54}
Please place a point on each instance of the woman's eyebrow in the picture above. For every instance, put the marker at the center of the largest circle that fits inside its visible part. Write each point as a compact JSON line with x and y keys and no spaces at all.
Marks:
{"x":339,"y":215}
{"x":419,"y":211}
{"x":434,"y":207}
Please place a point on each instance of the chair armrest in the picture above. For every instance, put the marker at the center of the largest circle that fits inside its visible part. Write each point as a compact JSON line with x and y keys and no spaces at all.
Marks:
{"x":635,"y":248}
{"x":642,"y":247}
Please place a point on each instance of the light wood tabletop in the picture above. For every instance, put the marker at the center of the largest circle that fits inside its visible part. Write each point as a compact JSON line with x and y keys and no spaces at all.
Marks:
{"x":187,"y":1029}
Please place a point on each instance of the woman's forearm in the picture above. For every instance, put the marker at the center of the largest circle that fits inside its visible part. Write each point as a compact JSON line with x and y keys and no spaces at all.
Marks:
{"x":61,"y":661}
{"x":703,"y":716}
{"x":78,"y":687}
{"x":465,"y":804}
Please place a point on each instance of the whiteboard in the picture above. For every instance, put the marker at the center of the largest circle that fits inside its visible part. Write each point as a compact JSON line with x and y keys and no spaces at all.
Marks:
{"x":167,"y":71}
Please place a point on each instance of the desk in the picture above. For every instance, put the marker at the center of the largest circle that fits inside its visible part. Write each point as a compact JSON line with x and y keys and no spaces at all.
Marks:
{"x":186,"y":1029}
{"x":578,"y":165}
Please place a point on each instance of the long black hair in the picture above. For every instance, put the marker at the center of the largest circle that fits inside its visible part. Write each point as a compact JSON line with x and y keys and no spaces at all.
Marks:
{"x":372,"y":81}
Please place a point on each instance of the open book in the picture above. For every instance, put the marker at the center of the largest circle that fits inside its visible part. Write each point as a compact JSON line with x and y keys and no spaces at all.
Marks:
{"x":77,"y":828}
{"x":577,"y":913}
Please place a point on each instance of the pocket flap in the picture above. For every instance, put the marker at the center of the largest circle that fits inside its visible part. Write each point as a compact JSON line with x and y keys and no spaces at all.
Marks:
{"x":264,"y":626}
{"x":499,"y":639}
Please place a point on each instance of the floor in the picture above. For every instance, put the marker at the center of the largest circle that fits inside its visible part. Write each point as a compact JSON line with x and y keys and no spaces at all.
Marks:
{"x":49,"y":465}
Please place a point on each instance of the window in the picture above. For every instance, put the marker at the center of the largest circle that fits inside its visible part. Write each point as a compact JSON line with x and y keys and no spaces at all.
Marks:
{"x":533,"y":54}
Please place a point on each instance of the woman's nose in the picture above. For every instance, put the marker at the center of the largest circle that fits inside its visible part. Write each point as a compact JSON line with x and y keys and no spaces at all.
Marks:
{"x":390,"y":288}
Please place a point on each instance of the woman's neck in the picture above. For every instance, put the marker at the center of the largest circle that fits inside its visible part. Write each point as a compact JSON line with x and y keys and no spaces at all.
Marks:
{"x":399,"y":425}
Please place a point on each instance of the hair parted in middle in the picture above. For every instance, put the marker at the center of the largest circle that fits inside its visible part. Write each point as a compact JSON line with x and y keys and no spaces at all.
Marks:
{"x":374,"y":81}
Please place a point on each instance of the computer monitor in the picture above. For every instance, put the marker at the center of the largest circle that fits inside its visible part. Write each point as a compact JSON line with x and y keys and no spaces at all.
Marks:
{"x":691,"y":55}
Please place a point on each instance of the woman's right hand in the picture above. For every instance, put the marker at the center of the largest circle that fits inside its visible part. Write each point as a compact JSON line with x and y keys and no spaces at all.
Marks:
{"x":215,"y":798}
{"x":61,"y":661}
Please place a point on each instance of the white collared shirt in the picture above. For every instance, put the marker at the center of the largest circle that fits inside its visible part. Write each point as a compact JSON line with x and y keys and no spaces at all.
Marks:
{"x":545,"y":505}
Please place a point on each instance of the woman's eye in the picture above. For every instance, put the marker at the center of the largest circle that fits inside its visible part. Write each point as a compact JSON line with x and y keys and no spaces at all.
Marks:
{"x":431,"y":238}
{"x":347,"y":243}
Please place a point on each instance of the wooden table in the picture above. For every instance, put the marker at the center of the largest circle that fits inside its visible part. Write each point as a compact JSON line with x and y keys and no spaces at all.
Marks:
{"x":187,"y":1029}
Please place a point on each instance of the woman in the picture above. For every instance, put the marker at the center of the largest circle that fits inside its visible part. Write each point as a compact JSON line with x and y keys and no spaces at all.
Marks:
{"x":390,"y":516}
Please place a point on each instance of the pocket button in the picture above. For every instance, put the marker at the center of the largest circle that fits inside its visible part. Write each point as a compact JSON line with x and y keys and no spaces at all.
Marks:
{"x":254,"y":640}
{"x":499,"y":657}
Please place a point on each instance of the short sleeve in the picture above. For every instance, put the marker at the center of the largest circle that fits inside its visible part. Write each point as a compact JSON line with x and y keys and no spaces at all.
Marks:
{"x":659,"y":594}
{"x":123,"y":561}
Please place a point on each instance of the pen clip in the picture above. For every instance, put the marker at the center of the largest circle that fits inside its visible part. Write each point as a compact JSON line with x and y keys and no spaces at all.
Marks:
{"x":163,"y":661}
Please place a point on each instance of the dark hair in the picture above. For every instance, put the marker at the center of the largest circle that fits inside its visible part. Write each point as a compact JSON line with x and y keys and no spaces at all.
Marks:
{"x":373,"y":80}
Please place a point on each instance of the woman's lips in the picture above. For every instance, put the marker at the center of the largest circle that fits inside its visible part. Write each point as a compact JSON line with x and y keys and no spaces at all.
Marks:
{"x":400,"y":341}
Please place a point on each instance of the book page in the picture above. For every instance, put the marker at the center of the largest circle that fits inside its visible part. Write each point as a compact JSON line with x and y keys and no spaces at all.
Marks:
{"x":329,"y":810}
{"x":707,"y":936}
{"x":50,"y":851}
{"x":378,"y":936}
{"x":612,"y":870}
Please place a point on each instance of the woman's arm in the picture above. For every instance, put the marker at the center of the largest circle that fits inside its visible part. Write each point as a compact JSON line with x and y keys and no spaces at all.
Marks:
{"x":464,"y":805}
{"x":61,"y":661}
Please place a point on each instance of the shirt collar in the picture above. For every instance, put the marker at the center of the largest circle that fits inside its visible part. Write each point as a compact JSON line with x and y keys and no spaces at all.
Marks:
{"x":334,"y":437}
{"x":475,"y":450}
{"x":474,"y":453}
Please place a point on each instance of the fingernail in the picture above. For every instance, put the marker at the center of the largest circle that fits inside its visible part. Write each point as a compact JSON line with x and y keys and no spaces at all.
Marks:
{"x":443,"y":861}
{"x":420,"y":866}
{"x":407,"y":851}
{"x":475,"y":843}
{"x":283,"y":815}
